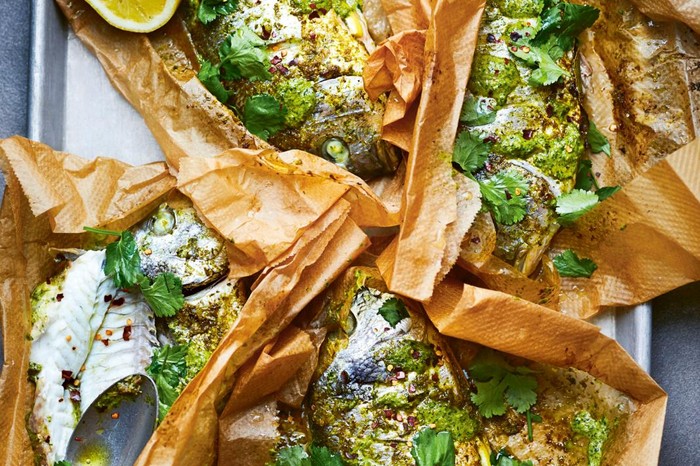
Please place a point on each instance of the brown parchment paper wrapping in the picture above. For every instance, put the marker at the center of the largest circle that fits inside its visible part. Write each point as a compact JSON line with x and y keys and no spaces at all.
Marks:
{"x":431,"y":194}
{"x":640,"y":82}
{"x":49,"y":192}
{"x":249,"y":428}
{"x":263,"y":201}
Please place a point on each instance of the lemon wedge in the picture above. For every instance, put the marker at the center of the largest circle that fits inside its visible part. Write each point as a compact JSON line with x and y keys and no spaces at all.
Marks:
{"x":136,"y":15}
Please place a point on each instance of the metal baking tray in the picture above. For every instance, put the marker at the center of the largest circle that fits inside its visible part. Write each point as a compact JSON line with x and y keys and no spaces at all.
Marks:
{"x":73,"y":107}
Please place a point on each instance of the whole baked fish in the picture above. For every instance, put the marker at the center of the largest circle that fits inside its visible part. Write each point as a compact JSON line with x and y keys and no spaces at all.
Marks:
{"x":87,"y":334}
{"x":377,"y":385}
{"x":314,"y":55}
{"x":532,"y":121}
{"x":67,"y":311}
{"x":385,"y":375}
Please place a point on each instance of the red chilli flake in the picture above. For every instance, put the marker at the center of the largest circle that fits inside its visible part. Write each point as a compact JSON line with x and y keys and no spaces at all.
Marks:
{"x":59,"y":297}
{"x":118,"y":301}
{"x":411,"y":421}
{"x":108,"y":298}
{"x":67,"y":375}
{"x":105,"y":341}
{"x":527,"y":134}
{"x":78,"y":439}
{"x":275,"y":60}
{"x":75,"y":395}
{"x":127,"y":333}
{"x":388,"y":413}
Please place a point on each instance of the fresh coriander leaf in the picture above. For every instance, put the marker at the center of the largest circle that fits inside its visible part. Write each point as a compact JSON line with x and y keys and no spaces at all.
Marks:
{"x":122,"y":261}
{"x":470,"y":151}
{"x":209,"y":76}
{"x":548,"y":71}
{"x":263,"y":115}
{"x":164,"y":296}
{"x":431,"y":448}
{"x":565,"y":22}
{"x":293,"y":456}
{"x":573,"y":205}
{"x":322,"y":456}
{"x":570,"y":265}
{"x":504,"y":194}
{"x":607,"y":191}
{"x":585,"y":179}
{"x":498,"y":383}
{"x":63,"y":463}
{"x":597,"y":140}
{"x":520,"y":393}
{"x":394,"y":311}
{"x":209,"y":10}
{"x":242,"y":55}
{"x":167,"y":369}
{"x":477,"y":111}
{"x":489,"y":397}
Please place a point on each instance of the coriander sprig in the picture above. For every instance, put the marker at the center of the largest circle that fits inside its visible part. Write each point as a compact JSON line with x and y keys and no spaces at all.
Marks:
{"x":123,"y":263}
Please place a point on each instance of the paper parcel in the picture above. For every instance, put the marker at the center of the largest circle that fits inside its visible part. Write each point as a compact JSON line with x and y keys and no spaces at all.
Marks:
{"x":51,"y":195}
{"x":278,"y":376}
{"x":640,"y":87}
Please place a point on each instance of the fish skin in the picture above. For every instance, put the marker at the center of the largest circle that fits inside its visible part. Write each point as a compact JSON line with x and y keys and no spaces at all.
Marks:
{"x":203,"y":321}
{"x":360,"y":406}
{"x":555,"y":117}
{"x":120,"y":356}
{"x":63,"y":331}
{"x":320,"y":49}
{"x":192,"y":251}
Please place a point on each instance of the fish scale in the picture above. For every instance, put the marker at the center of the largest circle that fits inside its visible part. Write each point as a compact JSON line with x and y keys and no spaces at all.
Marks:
{"x":63,"y":332}
{"x":106,"y":364}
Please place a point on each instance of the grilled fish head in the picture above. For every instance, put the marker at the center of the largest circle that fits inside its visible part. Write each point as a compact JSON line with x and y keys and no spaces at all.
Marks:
{"x":378,"y":384}
{"x":315,"y":74}
{"x":345,"y":129}
{"x":174,"y":239}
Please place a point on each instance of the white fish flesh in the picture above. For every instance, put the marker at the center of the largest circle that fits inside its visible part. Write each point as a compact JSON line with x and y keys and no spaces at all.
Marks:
{"x":67,"y":311}
{"x":123,"y":346}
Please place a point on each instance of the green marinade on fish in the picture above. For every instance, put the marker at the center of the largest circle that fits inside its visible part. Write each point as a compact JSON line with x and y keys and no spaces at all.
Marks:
{"x":531,"y":121}
{"x":313,"y":54}
{"x":385,"y":376}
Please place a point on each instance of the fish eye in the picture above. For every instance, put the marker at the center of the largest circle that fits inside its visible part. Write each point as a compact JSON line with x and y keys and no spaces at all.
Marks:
{"x":335,"y":150}
{"x":350,"y":323}
{"x":163,"y":222}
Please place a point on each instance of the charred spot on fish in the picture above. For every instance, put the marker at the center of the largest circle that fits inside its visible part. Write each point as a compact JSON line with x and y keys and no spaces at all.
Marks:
{"x":335,"y":150}
{"x":163,"y":222}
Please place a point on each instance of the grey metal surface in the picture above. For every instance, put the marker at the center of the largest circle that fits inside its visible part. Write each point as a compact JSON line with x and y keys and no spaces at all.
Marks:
{"x":676,"y":367}
{"x":72,"y":105}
